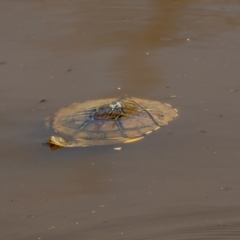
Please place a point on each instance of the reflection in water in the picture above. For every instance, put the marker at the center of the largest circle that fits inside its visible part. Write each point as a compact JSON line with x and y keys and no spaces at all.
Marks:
{"x":134,"y":32}
{"x":136,"y":65}
{"x":131,"y":188}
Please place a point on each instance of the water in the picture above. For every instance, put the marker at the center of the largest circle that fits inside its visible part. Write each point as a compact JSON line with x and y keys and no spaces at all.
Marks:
{"x":179,"y":183}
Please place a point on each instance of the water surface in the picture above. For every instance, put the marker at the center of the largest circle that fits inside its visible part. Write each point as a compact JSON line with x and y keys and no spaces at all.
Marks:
{"x":181,"y":182}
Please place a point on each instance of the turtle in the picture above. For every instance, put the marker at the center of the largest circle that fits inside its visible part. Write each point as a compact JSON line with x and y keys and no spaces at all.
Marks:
{"x":109,"y":121}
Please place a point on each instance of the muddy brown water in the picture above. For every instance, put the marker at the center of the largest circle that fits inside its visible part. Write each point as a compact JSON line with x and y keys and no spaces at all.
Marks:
{"x":181,"y":182}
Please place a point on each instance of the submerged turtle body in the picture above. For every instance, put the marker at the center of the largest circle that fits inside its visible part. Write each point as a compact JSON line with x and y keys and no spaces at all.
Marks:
{"x":109,"y":121}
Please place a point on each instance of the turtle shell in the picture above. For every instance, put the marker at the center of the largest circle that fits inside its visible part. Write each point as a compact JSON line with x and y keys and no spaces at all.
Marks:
{"x":112,"y":121}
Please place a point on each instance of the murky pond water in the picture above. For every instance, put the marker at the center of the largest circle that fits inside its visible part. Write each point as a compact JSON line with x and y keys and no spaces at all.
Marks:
{"x":181,"y":182}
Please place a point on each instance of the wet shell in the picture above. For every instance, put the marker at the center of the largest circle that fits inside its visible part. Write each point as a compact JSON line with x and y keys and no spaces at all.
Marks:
{"x":111,"y":121}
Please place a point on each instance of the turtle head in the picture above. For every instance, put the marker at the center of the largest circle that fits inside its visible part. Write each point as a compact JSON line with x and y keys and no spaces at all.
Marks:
{"x":58,"y":141}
